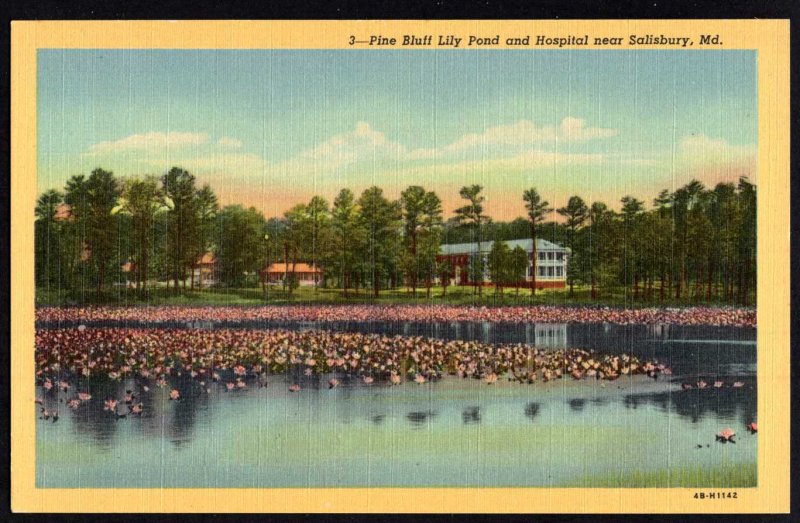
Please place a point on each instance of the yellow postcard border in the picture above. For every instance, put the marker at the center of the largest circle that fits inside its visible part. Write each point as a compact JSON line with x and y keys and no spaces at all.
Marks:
{"x":770,"y":38}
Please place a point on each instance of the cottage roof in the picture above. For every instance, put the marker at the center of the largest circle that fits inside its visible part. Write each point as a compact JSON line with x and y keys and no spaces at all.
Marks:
{"x":207,"y":259}
{"x":299,"y":267}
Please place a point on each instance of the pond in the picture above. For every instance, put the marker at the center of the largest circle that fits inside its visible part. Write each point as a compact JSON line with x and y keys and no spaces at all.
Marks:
{"x":634,"y":432}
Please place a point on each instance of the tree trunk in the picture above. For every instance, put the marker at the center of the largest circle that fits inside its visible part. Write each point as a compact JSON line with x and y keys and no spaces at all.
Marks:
{"x":746,"y":283}
{"x":101,"y":279}
{"x":710,"y":280}
{"x":535,"y":260}
{"x":285,"y":266}
{"x":414,"y":264}
{"x":698,"y":284}
{"x":143,"y":269}
{"x":294,"y":271}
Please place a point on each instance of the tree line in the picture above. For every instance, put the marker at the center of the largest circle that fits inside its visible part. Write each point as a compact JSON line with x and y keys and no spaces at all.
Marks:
{"x":692,"y":244}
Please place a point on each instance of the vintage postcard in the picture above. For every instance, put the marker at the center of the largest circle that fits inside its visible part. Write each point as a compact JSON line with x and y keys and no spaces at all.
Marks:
{"x":417,"y":266}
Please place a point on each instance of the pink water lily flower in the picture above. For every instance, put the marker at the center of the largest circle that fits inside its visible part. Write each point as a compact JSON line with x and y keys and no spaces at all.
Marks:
{"x":726,"y":435}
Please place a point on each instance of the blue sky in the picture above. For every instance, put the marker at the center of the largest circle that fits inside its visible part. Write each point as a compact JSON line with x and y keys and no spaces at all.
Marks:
{"x":271,"y":128}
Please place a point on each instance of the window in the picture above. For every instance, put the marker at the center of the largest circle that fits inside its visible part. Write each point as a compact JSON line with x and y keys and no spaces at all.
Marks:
{"x":559,"y":272}
{"x":560,"y":256}
{"x":551,"y":256}
{"x":542,"y":256}
{"x":542,"y":271}
{"x":530,"y":270}
{"x":550,"y":272}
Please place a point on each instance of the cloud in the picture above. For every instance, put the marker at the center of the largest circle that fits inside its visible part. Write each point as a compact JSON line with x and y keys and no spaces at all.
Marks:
{"x":716,"y":160}
{"x":701,"y":149}
{"x":517,"y":164}
{"x":574,"y":129}
{"x":520,"y":134}
{"x":361,"y":144}
{"x":151,"y":141}
{"x":227,"y":142}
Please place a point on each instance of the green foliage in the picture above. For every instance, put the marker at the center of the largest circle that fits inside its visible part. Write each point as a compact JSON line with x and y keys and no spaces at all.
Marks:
{"x":576,"y":212}
{"x":348,"y":237}
{"x":380,"y":220}
{"x":48,"y":239}
{"x":422,"y":226}
{"x":499,"y":264}
{"x":142,"y":200}
{"x":694,"y":245}
{"x":471,"y":216}
{"x":537,"y":209}
{"x":241,"y":250}
{"x":179,"y":190}
{"x":518,"y":266}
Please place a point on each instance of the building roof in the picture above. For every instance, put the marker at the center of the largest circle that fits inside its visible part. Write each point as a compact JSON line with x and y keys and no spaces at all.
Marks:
{"x":207,"y":259}
{"x":299,"y":267}
{"x":527,"y":244}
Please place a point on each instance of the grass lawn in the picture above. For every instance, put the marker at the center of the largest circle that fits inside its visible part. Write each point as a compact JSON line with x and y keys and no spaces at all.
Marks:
{"x":453,"y":295}
{"x":721,"y":476}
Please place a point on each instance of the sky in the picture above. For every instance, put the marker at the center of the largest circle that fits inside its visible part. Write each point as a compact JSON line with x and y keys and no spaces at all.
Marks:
{"x":272,"y":128}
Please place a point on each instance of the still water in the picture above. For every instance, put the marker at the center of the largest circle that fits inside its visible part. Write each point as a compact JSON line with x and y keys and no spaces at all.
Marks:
{"x":451,"y":432}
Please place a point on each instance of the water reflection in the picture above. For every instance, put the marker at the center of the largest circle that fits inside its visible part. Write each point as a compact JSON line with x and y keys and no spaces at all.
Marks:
{"x":695,"y":405}
{"x":638,"y":338}
{"x":577,"y":404}
{"x":211,"y":437}
{"x":217,"y":437}
{"x":420,"y":418}
{"x":184,"y":413}
{"x":532,"y":410}
{"x":471,"y":415}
